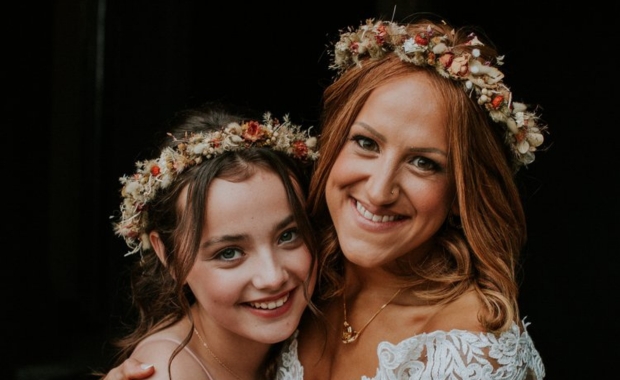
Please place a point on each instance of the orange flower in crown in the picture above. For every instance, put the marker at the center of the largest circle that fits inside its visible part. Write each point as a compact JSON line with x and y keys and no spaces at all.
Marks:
{"x":481,"y":79}
{"x":154,"y":175}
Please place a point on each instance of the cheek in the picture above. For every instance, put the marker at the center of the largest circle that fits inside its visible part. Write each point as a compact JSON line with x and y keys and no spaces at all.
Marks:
{"x":302,"y":271}
{"x":300,"y":262}
{"x":342,"y":173}
{"x":432,"y":198}
{"x":207,"y":286}
{"x":436,"y":199}
{"x":331,"y":187}
{"x":334,"y":177}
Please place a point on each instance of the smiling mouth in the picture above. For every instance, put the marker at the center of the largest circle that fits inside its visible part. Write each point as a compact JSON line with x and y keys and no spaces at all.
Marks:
{"x":271,"y":304}
{"x":373,"y":217}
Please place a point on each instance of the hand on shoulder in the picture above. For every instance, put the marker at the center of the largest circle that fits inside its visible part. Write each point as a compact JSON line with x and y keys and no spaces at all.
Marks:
{"x":158,"y":351}
{"x":131,"y":369}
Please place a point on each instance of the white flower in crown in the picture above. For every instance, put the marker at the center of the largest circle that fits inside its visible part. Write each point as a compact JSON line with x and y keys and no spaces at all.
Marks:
{"x":480,"y":79}
{"x":154,"y":175}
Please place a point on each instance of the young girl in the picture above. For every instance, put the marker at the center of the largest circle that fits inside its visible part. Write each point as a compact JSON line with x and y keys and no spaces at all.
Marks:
{"x":225,"y":265}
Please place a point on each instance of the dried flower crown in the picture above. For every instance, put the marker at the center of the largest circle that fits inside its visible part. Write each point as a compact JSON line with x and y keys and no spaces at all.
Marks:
{"x":480,"y":78}
{"x":154,"y":175}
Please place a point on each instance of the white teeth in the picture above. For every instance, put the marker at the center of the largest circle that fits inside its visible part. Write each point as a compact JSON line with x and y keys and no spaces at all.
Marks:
{"x":370,"y":216}
{"x":270,"y":305}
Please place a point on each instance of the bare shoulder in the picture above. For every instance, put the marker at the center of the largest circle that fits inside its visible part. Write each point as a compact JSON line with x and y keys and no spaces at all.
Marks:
{"x":461,"y":314}
{"x":158,"y":348}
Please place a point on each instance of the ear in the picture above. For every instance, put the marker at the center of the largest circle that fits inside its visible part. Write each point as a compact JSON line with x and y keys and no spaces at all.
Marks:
{"x":158,"y":246}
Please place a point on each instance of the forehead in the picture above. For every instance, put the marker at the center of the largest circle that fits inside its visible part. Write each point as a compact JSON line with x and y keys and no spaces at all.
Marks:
{"x":257,"y":200}
{"x":410,"y":105}
{"x":237,"y":177}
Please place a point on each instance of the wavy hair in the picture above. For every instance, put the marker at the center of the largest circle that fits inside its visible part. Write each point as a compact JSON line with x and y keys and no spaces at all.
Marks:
{"x":482,"y":248}
{"x":159,"y":292}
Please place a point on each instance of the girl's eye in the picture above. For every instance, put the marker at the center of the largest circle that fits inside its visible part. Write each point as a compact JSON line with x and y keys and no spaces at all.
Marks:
{"x":229,"y":254}
{"x":425,"y":164}
{"x":365,"y":143}
{"x":289,"y":236}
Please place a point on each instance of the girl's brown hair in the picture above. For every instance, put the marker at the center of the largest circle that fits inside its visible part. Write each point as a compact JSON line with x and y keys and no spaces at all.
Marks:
{"x":159,"y":292}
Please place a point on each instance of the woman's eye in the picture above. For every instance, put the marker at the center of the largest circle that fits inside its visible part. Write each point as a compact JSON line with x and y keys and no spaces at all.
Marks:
{"x":425,"y":164}
{"x":289,"y":236}
{"x":365,"y":143}
{"x":229,"y":254}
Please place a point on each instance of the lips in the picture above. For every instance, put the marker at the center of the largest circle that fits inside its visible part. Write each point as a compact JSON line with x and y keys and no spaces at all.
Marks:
{"x":271,"y":304}
{"x":374,"y":217}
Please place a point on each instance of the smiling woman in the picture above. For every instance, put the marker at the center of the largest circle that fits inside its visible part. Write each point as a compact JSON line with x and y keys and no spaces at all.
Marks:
{"x":416,"y":197}
{"x":396,"y":151}
{"x":225,"y":245}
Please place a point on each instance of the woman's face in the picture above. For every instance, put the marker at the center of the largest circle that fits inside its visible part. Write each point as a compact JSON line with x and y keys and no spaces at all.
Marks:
{"x":249,"y":274}
{"x":389,"y":190}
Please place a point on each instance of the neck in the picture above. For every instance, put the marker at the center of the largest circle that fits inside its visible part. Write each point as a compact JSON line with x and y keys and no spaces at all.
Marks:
{"x":388,"y":275}
{"x":225,"y":348}
{"x":362,"y":280}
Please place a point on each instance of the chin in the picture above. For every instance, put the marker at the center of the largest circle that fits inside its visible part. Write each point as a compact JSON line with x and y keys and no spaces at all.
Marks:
{"x":368,"y":260}
{"x":278,"y":336}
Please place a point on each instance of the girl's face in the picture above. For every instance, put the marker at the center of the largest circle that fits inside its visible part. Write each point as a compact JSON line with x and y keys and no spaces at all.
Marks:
{"x":249,"y":274}
{"x":389,"y":190}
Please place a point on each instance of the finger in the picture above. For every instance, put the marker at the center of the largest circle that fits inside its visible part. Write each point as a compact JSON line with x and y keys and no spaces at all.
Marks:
{"x":131,"y":369}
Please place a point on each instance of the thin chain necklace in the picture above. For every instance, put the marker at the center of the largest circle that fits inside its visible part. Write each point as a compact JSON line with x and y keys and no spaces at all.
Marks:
{"x":215,"y":356}
{"x":349,"y":334}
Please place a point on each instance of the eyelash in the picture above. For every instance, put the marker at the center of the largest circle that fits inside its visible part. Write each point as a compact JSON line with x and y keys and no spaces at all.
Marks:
{"x":427,"y":165}
{"x":220,"y":255}
{"x":294,"y":240}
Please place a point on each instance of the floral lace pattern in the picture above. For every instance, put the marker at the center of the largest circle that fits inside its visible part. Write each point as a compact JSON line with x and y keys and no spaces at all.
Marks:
{"x":452,"y":355}
{"x":290,"y":368}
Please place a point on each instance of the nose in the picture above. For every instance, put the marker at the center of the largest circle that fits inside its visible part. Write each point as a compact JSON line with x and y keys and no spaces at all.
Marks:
{"x":382,"y":184}
{"x":270,"y":271}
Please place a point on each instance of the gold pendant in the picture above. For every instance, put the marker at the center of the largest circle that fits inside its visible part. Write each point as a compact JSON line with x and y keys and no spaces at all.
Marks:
{"x":348,"y":334}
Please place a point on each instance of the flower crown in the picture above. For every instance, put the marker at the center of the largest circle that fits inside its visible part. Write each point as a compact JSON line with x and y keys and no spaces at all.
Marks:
{"x":480,"y":78}
{"x":154,"y":175}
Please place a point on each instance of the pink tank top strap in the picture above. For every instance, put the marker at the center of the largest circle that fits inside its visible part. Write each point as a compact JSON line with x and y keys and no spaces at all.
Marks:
{"x":192,"y":354}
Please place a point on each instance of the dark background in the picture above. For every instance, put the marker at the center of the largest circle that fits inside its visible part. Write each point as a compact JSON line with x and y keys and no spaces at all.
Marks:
{"x":89,"y":83}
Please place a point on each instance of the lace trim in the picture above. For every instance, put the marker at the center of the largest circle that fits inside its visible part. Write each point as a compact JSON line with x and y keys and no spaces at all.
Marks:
{"x":290,"y":368}
{"x":456,"y":354}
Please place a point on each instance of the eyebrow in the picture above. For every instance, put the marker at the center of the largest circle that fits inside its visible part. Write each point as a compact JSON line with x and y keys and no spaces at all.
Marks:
{"x":381,"y":137}
{"x":371,"y":130}
{"x":241,"y":237}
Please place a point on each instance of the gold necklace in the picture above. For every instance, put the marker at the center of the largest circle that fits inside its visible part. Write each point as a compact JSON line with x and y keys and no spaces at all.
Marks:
{"x":349,"y":334}
{"x":215,"y":357}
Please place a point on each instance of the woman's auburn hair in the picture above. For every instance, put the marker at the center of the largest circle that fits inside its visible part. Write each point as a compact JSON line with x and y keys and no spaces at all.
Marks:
{"x":483,"y":253}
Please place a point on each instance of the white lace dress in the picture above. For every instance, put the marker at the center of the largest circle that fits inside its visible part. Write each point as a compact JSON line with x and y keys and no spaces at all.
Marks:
{"x":446,"y":355}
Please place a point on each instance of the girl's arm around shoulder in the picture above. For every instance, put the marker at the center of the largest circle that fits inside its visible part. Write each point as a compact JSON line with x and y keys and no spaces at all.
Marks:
{"x":130,"y":369}
{"x":157,"y":351}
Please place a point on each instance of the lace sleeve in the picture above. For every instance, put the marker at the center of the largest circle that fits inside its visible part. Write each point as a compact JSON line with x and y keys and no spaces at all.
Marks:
{"x":460,"y":354}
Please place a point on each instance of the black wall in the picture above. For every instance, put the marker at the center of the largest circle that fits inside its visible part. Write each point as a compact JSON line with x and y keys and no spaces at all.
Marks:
{"x":89,"y":83}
